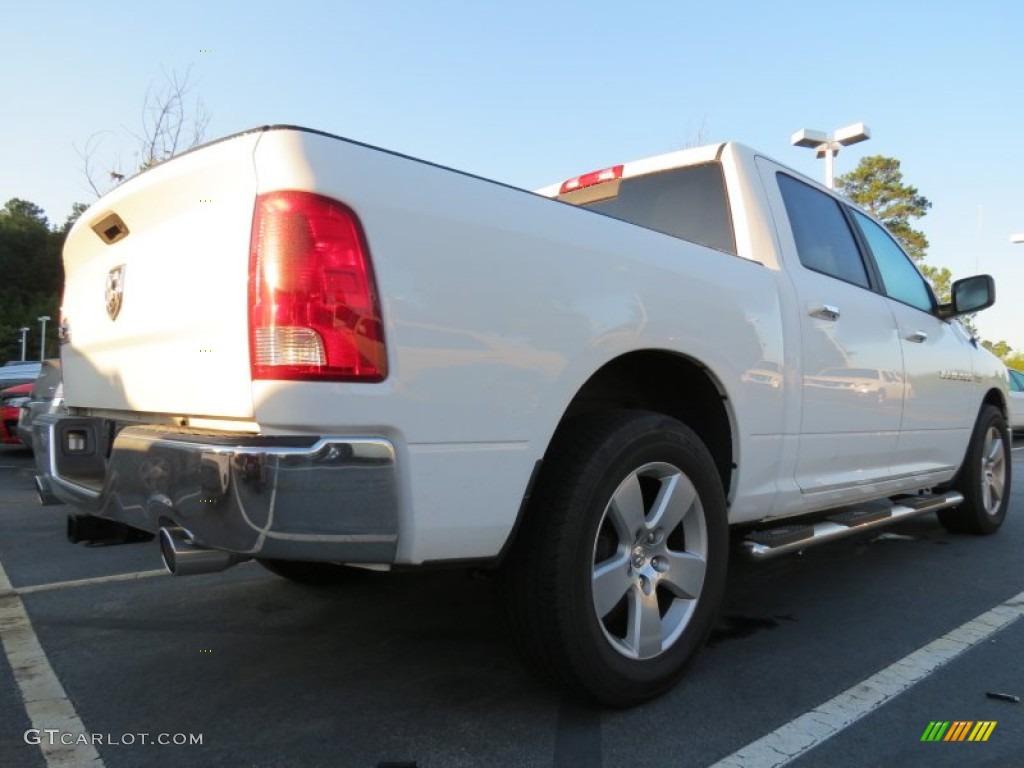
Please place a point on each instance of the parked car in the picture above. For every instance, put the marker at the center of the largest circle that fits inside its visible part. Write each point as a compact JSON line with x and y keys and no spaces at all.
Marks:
{"x":47,"y":397}
{"x":15,"y":372}
{"x":764,"y":372}
{"x":1016,"y":400}
{"x":10,"y":405}
{"x":871,"y":383}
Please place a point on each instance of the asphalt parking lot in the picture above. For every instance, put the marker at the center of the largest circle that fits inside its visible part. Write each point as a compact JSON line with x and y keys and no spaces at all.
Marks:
{"x":842,"y":656}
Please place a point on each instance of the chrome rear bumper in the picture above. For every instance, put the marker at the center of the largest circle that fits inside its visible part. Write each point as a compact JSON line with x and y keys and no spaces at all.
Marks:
{"x":328,"y":499}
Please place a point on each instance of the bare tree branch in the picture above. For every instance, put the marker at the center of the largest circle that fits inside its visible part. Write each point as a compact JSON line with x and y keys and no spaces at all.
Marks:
{"x":167,"y":119}
{"x":88,"y":156}
{"x":698,"y":137}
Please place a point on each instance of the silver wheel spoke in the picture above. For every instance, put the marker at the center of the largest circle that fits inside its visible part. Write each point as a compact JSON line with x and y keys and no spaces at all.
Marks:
{"x":644,"y":633}
{"x":685,"y":575}
{"x":993,"y":471}
{"x":611,"y":581}
{"x":997,"y":486}
{"x":996,"y":467}
{"x":627,"y":509}
{"x":995,"y":450}
{"x":674,"y":500}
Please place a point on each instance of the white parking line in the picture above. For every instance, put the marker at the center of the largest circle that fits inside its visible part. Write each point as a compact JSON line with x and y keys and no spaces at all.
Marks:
{"x":89,"y":582}
{"x":803,"y":733}
{"x":45,"y":701}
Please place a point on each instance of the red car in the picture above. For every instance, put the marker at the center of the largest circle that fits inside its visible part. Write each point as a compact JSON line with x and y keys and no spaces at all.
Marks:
{"x":10,"y":404}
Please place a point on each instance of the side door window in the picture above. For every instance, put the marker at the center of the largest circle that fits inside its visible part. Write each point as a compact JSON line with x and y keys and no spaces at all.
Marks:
{"x":823,"y":238}
{"x":900,"y":278}
{"x":849,"y":414}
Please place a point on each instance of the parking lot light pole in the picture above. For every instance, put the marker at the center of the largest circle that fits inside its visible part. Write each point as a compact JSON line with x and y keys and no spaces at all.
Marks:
{"x":42,"y":341}
{"x":24,"y":333}
{"x":827,"y":145}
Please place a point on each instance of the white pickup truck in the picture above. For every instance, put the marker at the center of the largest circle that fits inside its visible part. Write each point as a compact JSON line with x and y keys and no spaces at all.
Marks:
{"x":300,"y":349}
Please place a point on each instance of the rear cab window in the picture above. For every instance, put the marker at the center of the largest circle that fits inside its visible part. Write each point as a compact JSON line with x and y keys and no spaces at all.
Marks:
{"x":689,"y":203}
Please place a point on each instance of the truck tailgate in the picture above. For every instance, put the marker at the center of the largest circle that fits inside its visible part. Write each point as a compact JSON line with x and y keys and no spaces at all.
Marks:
{"x":155,"y":307}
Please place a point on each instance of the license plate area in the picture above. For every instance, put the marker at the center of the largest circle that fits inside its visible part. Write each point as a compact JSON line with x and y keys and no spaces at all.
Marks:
{"x":80,"y":447}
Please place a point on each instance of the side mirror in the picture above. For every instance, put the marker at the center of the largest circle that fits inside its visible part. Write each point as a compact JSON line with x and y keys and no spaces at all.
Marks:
{"x":972,"y":294}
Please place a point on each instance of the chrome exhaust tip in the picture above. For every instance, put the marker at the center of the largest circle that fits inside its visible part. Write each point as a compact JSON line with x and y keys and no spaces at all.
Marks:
{"x":183,"y":557}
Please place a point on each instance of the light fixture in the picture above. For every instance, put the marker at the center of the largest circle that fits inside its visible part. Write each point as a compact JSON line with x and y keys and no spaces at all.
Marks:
{"x":827,"y":146}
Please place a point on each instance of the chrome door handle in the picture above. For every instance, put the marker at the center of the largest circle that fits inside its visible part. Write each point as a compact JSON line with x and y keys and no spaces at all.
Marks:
{"x":918,"y":337}
{"x":826,"y":312}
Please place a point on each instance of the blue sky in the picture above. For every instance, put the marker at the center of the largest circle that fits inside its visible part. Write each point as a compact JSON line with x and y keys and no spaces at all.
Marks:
{"x":533,"y":92}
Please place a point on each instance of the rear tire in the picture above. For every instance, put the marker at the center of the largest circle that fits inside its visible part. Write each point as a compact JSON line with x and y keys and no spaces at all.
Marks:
{"x":984,"y":478}
{"x":318,"y":574}
{"x":615,"y":580}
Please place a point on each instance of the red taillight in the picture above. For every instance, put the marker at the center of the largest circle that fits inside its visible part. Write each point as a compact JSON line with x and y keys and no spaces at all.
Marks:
{"x":592,"y":178}
{"x":313,"y":309}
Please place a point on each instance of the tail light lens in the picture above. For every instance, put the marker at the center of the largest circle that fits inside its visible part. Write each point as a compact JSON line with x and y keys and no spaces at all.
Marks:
{"x":314,"y":312}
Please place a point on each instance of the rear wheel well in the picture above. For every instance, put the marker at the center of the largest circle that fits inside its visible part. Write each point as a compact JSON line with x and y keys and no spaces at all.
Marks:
{"x":666,"y":383}
{"x":994,"y":398}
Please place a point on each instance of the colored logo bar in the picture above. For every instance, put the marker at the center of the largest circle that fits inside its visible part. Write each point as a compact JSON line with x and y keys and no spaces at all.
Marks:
{"x":958,"y":730}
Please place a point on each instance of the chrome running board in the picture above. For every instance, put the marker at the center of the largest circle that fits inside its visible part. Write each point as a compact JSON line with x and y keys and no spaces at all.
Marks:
{"x":848,"y":521}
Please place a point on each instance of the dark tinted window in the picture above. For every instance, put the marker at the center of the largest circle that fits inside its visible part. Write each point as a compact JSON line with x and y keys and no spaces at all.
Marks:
{"x":824,"y":241}
{"x":688,"y":203}
{"x":900,"y":277}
